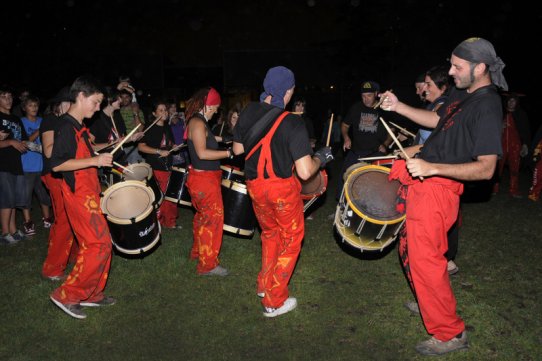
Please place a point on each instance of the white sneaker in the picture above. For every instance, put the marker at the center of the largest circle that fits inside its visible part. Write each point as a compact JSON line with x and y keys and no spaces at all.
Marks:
{"x":261,"y":294}
{"x":287,"y":306}
{"x":217,"y":271}
{"x":452,"y":268}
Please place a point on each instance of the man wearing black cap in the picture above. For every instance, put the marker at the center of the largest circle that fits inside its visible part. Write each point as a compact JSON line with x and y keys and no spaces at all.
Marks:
{"x":275,"y":141}
{"x":369,"y":137}
{"x":463,"y":146}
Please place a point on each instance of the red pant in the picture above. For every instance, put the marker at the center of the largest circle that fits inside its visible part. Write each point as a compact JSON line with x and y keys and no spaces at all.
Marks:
{"x":278,"y":206}
{"x":168,"y":211}
{"x":204,"y":188}
{"x":87,"y":280}
{"x":60,"y":235}
{"x":431,"y":209}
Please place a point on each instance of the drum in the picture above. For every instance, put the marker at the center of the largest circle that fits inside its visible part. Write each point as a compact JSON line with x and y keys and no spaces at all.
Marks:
{"x":129,"y":209}
{"x":239,"y":217}
{"x":176,"y":191}
{"x":386,"y":160}
{"x":366,"y":216}
{"x":143,"y":172}
{"x":109,"y":176}
{"x":232,"y":174}
{"x":313,"y":188}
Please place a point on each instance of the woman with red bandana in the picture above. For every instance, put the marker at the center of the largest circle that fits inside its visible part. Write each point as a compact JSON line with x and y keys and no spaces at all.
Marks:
{"x":72,"y":155}
{"x":204,"y":179}
{"x":275,"y":142}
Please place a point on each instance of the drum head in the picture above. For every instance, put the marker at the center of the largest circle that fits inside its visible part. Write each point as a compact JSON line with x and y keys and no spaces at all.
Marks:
{"x":315,"y":186}
{"x":140,"y":172}
{"x":127,"y":201}
{"x":371,"y":195}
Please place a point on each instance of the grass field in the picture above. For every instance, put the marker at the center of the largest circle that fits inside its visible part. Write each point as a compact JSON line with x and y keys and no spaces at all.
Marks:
{"x":350,"y":304}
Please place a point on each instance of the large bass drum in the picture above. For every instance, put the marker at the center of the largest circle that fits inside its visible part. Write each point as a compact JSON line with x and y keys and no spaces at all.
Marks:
{"x":239,"y":217}
{"x":177,"y":191}
{"x":131,"y":215}
{"x":366,"y":216}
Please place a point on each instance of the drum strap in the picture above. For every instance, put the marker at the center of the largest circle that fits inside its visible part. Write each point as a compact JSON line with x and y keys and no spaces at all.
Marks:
{"x":257,"y":130}
{"x":266,"y":160}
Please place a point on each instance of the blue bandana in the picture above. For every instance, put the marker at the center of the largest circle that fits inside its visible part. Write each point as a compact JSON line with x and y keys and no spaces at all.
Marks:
{"x":277,"y":81}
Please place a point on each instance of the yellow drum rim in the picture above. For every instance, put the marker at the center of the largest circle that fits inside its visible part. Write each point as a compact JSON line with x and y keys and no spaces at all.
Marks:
{"x":357,"y":211}
{"x":232,"y":170}
{"x":235,"y":230}
{"x":136,"y":165}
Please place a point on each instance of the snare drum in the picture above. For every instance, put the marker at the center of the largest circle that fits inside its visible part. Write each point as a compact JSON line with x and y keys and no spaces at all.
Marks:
{"x":366,"y":216}
{"x":176,"y":191}
{"x":232,"y":174}
{"x":313,"y":188}
{"x":130,"y":213}
{"x":239,"y":217}
{"x":143,"y":172}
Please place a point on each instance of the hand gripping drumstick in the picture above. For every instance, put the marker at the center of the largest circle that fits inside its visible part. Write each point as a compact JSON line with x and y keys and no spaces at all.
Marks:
{"x":403,"y":130}
{"x":118,"y":165}
{"x":329,"y":130}
{"x":380,"y":101}
{"x":125,"y":139}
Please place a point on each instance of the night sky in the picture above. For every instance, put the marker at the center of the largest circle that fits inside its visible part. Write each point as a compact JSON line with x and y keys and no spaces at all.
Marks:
{"x":330,"y":45}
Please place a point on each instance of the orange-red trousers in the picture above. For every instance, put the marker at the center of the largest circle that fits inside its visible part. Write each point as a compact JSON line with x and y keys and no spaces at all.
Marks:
{"x":88,"y":278}
{"x":279,"y":209}
{"x":204,"y":188}
{"x":61,"y":240}
{"x":431,"y":209}
{"x":168,"y":211}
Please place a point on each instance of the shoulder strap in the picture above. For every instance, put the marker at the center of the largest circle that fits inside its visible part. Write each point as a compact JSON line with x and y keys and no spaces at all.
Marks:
{"x":258,"y":130}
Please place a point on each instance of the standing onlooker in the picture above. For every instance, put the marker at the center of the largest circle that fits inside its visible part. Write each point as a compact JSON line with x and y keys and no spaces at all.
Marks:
{"x":132,"y":116}
{"x":12,"y":181}
{"x":33,"y":166}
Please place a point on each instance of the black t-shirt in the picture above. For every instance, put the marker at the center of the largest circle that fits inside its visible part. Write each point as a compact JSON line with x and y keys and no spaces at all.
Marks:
{"x":210,"y":143}
{"x":473,"y":130}
{"x":160,"y":137}
{"x":101,"y":127}
{"x":50,"y":123}
{"x":65,"y":146}
{"x":368,"y":133}
{"x":290,"y":142}
{"x":10,"y":158}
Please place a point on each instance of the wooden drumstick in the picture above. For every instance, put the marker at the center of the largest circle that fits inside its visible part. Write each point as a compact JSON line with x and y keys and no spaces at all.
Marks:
{"x":125,"y":139}
{"x":329,"y":130}
{"x":177,"y":147}
{"x":379,"y":158}
{"x":153,"y":123}
{"x":394,"y":138}
{"x":403,"y":130}
{"x":380,"y":101}
{"x":107,"y":146}
{"x":221,"y":129}
{"x":115,"y":126}
{"x":118,"y":165}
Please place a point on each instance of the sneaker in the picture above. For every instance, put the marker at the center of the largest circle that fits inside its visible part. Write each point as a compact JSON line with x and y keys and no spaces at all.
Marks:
{"x":287,"y":306}
{"x":452,"y":268}
{"x":47,"y":222}
{"x":260,"y":294}
{"x":413,"y":307}
{"x":217,"y":271}
{"x":106,"y":301}
{"x":309,"y":217}
{"x":29,"y":228}
{"x":433,"y":346}
{"x":8,"y":239}
{"x":74,"y":310}
{"x":56,"y":278}
{"x":19,"y":235}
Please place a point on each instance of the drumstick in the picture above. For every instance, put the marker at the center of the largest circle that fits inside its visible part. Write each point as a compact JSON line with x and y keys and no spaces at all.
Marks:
{"x":221,"y":129}
{"x":329,"y":130}
{"x":403,"y":130}
{"x":125,"y":139}
{"x":108,"y":145}
{"x":380,"y":101}
{"x":296,"y":113}
{"x":377,"y":158}
{"x":394,"y":139}
{"x":115,"y":126}
{"x":118,"y":165}
{"x":177,"y":147}
{"x":153,"y":123}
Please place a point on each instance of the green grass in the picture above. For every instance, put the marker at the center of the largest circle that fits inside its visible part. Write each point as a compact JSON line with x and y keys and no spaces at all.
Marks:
{"x":350,"y":304}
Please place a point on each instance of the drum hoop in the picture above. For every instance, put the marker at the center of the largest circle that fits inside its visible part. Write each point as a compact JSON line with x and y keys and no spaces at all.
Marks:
{"x":236,"y":186}
{"x":355,"y":209}
{"x":143,"y":249}
{"x":237,"y":230}
{"x":178,"y":169}
{"x":140,"y":164}
{"x":124,"y":221}
{"x":232,"y":170}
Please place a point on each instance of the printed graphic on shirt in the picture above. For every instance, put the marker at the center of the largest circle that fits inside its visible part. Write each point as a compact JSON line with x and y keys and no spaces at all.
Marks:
{"x":368,"y":122}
